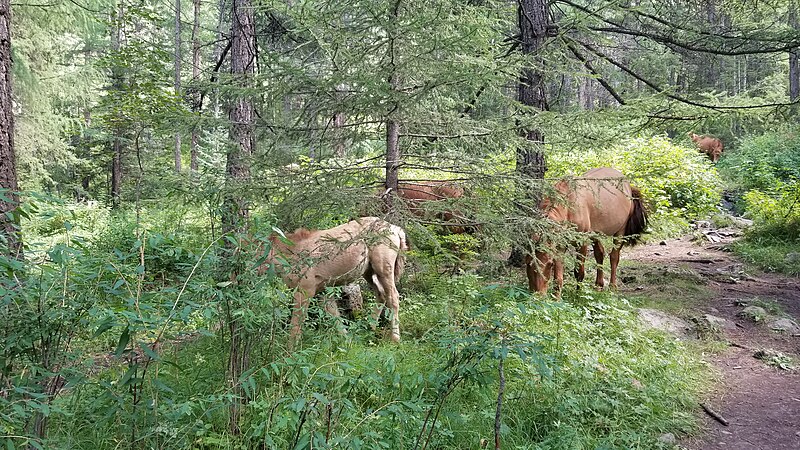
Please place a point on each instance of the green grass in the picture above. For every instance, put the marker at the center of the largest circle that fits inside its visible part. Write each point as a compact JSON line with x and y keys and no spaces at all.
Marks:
{"x":673,"y":289}
{"x":770,"y":255}
{"x":591,"y":377}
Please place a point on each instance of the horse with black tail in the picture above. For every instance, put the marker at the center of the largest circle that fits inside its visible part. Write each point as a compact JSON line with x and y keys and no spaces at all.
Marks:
{"x":602,"y":202}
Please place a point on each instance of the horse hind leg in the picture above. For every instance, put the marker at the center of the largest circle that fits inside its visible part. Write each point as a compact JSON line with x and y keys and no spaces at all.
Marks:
{"x":372,"y":281}
{"x":383,"y":278}
{"x":599,"y":256}
{"x":558,"y":274}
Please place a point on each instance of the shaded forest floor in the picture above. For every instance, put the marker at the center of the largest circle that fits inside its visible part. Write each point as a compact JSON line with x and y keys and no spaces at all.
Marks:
{"x":706,"y":293}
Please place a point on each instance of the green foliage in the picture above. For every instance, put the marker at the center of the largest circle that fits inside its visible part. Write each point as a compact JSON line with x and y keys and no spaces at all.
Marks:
{"x":678,"y":184}
{"x":766,"y":169}
{"x":763,"y":162}
{"x":776,"y":359}
{"x":776,"y":215}
{"x":139,"y":360}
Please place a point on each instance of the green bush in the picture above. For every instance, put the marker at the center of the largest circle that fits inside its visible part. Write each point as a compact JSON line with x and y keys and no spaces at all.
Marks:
{"x":677,"y":183}
{"x":762,"y":162}
{"x":172,"y":238}
{"x":766,"y":170}
{"x":579,"y":374}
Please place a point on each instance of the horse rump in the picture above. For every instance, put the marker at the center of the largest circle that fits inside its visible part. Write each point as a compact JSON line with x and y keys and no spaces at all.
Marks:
{"x":637,"y":220}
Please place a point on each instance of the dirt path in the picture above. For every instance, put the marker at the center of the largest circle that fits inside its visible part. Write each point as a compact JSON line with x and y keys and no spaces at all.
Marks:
{"x":760,"y":401}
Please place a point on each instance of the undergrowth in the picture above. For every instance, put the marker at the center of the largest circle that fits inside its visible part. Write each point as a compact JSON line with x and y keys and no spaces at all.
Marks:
{"x":579,"y":374}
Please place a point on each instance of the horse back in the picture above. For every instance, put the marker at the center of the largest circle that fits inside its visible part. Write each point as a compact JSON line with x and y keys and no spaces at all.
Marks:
{"x":603,"y":201}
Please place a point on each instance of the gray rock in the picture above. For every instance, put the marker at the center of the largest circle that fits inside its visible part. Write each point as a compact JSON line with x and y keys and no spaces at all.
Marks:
{"x":660,"y":320}
{"x":754,"y":313}
{"x":792,"y":258}
{"x":785,"y":325}
{"x":668,"y":438}
{"x":741,"y":222}
{"x":718,"y":322}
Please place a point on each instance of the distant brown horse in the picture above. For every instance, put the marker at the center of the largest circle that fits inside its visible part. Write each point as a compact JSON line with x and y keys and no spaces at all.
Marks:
{"x":416,"y":193}
{"x":367,"y":247}
{"x":601,"y":201}
{"x":709,"y":145}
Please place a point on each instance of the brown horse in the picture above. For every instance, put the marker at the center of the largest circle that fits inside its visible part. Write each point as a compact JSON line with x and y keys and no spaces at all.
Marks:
{"x":709,"y":145}
{"x":416,"y":193}
{"x":314,"y":259}
{"x":601,"y":201}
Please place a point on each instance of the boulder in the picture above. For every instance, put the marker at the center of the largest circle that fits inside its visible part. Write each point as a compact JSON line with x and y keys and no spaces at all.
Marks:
{"x":660,"y":320}
{"x":754,"y":313}
{"x":785,"y":325}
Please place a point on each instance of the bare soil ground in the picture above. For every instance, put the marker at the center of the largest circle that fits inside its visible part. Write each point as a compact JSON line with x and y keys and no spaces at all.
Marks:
{"x":760,"y":401}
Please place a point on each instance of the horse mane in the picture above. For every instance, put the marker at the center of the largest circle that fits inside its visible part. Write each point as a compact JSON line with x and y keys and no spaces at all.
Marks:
{"x":637,"y":220}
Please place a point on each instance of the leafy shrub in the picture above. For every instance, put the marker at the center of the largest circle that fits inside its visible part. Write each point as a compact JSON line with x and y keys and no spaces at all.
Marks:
{"x":171,"y":237}
{"x":776,"y":215}
{"x":766,"y":169}
{"x":579,"y":374}
{"x":677,"y":183}
{"x":763,"y":162}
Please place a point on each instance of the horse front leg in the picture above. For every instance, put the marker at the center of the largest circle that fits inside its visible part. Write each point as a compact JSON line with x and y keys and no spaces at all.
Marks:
{"x":333,"y":310}
{"x":614,"y":256}
{"x":301,"y":300}
{"x":599,"y":256}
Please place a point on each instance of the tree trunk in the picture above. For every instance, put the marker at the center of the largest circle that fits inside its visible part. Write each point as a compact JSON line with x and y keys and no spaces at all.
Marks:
{"x":177,"y":79}
{"x":218,"y":48}
{"x":9,"y":222}
{"x":195,"y":79}
{"x":533,"y":16}
{"x":339,"y":118}
{"x":117,"y":149}
{"x":533,"y":19}
{"x":794,"y":56}
{"x":116,"y":169}
{"x":392,"y":124}
{"x":235,"y":212}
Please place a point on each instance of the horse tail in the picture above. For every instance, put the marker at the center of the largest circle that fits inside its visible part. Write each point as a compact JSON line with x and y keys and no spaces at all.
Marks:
{"x":400,"y":262}
{"x":637,"y":220}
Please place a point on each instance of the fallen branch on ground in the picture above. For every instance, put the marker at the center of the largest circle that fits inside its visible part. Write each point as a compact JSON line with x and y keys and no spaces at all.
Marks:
{"x":715,"y":415}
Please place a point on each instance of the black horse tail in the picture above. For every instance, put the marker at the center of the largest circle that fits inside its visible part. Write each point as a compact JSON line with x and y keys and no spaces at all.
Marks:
{"x":637,"y":220}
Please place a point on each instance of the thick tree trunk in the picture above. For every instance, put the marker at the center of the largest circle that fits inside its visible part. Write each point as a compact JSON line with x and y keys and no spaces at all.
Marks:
{"x":794,"y":57}
{"x":236,"y":211}
{"x":533,"y":16}
{"x":533,"y":19}
{"x":195,"y":79}
{"x":177,"y":79}
{"x":9,"y":222}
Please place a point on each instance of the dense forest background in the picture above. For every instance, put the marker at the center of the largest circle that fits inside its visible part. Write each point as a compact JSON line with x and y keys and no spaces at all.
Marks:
{"x":150,"y":137}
